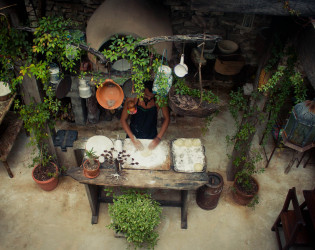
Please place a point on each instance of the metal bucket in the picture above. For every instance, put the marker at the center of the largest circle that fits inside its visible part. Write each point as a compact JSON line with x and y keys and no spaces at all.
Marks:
{"x":208,"y":195}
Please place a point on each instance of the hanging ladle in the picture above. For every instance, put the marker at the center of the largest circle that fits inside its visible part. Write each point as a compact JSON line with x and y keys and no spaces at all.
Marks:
{"x":181,"y":69}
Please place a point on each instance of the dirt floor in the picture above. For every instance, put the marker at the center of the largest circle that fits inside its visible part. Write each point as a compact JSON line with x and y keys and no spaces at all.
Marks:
{"x":31,"y":218}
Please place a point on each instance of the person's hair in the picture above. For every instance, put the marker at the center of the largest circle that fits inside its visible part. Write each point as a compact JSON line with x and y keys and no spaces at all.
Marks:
{"x":148,"y":85}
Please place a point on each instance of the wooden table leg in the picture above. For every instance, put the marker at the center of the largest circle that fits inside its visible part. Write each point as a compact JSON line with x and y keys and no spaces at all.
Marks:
{"x":184,"y":208}
{"x":6,"y":165}
{"x":92,"y":192}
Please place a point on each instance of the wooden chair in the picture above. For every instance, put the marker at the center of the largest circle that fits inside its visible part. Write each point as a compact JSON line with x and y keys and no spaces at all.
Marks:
{"x":293,"y":224}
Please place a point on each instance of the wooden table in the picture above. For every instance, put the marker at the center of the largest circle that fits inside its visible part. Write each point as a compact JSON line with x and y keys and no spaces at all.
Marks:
{"x":150,"y":179}
{"x":309,"y":196}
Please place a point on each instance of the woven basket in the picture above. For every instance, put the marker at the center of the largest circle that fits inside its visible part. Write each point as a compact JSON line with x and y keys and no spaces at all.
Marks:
{"x":189,"y":106}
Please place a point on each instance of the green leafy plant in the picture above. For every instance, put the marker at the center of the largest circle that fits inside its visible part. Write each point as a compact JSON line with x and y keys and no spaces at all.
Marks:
{"x":91,"y":155}
{"x":181,"y":88}
{"x":25,"y":55}
{"x":135,"y":214}
{"x":286,"y":82}
{"x":144,"y":63}
{"x":246,"y":159}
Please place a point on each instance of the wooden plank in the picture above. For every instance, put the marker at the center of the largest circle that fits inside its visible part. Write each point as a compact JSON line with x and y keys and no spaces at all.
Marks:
{"x":265,"y":7}
{"x":143,"y":179}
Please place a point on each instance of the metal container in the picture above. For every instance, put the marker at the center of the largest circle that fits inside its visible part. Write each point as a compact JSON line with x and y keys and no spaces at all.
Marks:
{"x":209,"y":194}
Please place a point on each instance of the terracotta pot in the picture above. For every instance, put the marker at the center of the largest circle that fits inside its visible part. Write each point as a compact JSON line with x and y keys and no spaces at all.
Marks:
{"x":49,"y":184}
{"x":91,"y":173}
{"x":242,"y":198}
{"x":110,"y":95}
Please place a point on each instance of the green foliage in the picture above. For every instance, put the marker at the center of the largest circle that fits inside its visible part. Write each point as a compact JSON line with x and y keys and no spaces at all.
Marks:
{"x":248,"y":167}
{"x":144,"y":64}
{"x":181,"y":88}
{"x":246,"y":160}
{"x":14,"y":49}
{"x":91,"y":155}
{"x":137,"y":215}
{"x":254,"y":202}
{"x":21,"y":56}
{"x":285,"y":83}
{"x":52,"y":39}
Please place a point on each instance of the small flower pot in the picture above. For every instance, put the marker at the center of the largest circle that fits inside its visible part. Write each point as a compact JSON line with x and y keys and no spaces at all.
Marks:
{"x":47,"y":185}
{"x":91,"y":173}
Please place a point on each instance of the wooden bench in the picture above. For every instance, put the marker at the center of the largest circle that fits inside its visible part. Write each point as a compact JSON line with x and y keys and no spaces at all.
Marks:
{"x":9,"y":130}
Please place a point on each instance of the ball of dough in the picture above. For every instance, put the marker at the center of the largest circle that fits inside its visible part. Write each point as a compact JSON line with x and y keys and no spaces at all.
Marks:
{"x":196,"y":142}
{"x":198,"y":167}
{"x":188,"y":143}
{"x":179,"y":142}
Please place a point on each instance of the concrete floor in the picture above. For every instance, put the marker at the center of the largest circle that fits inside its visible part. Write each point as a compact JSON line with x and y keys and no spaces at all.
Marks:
{"x":31,"y":218}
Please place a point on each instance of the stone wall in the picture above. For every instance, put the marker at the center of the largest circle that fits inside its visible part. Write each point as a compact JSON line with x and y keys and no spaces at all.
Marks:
{"x":243,"y":29}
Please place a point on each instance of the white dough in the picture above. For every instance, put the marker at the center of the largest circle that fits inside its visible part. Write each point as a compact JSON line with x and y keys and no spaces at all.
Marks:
{"x":146,"y":152}
{"x":179,"y":142}
{"x":196,"y":142}
{"x":198,"y":167}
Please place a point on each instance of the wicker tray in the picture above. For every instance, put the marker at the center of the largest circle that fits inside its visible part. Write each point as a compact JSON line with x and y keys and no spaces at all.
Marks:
{"x":185,"y":159}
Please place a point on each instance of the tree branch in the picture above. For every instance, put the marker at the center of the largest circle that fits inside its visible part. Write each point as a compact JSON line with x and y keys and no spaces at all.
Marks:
{"x":144,"y":42}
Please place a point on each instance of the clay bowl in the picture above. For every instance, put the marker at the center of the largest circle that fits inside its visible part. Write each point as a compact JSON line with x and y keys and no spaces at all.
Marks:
{"x":227,"y":46}
{"x":110,"y":95}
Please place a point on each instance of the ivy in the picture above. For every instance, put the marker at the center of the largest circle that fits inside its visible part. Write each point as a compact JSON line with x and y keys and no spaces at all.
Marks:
{"x":283,"y":84}
{"x":144,"y":64}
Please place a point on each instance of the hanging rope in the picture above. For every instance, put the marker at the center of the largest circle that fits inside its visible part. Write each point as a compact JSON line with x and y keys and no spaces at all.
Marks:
{"x":199,"y":70}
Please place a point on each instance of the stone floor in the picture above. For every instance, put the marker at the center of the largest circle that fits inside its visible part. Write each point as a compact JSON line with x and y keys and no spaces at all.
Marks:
{"x":31,"y":218}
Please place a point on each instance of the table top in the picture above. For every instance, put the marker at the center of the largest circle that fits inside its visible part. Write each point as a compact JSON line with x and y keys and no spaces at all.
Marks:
{"x":143,"y":178}
{"x":309,"y":196}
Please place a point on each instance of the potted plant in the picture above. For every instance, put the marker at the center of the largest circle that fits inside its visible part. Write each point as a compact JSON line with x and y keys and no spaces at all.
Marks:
{"x":244,"y":159}
{"x":36,"y":117}
{"x":91,"y":166}
{"x":29,"y":55}
{"x":245,"y":186}
{"x":135,"y":214}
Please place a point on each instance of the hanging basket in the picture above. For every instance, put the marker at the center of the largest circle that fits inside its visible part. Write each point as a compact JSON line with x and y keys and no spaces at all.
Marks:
{"x":189,"y":106}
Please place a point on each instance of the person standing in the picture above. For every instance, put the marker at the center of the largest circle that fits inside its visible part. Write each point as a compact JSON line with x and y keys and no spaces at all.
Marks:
{"x":143,"y":123}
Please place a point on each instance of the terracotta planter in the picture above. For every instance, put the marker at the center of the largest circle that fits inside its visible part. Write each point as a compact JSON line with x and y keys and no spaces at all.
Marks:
{"x":91,"y":173}
{"x":242,"y":198}
{"x":49,"y":184}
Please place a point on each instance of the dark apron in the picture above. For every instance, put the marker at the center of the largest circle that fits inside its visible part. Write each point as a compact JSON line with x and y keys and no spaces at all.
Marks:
{"x":143,"y":124}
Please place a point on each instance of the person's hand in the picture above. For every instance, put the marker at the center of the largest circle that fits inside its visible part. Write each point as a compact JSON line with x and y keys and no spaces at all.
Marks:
{"x":138,"y":144}
{"x":154,"y":143}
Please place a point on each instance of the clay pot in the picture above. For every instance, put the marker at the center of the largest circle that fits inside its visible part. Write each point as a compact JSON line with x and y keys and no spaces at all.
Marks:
{"x":227,"y":46}
{"x":88,"y":173}
{"x":242,"y":198}
{"x":110,"y":95}
{"x":49,"y":184}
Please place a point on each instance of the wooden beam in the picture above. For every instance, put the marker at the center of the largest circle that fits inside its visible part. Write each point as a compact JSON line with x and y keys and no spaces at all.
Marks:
{"x":262,"y":7}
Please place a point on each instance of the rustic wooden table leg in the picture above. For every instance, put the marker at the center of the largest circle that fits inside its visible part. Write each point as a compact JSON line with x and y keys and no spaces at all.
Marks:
{"x":184,"y":208}
{"x":6,"y":165}
{"x":92,"y":192}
